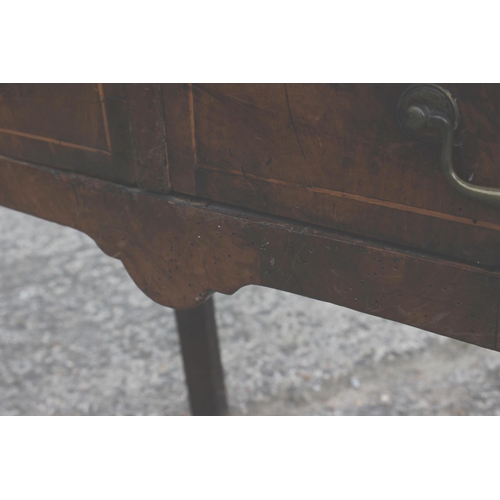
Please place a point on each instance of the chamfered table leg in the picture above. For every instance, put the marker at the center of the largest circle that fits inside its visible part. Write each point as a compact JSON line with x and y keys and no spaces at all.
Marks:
{"x":201,"y":357}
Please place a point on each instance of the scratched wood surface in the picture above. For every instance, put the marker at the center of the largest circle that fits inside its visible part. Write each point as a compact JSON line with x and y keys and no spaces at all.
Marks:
{"x":179,"y":250}
{"x":311,"y":189}
{"x":329,"y":155}
{"x":334,"y":155}
{"x":111,"y":131}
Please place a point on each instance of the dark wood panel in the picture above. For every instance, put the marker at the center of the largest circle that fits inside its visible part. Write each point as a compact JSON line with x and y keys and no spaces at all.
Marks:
{"x":55,"y":113}
{"x":123,"y":168}
{"x":179,"y":123}
{"x":57,"y":155}
{"x":63,"y":126}
{"x":454,"y":236}
{"x":334,"y":155}
{"x":148,"y":135}
{"x":178,"y":249}
{"x":111,"y":131}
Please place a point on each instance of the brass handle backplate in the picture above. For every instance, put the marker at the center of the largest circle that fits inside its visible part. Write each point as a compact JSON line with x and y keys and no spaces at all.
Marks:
{"x":428,"y":113}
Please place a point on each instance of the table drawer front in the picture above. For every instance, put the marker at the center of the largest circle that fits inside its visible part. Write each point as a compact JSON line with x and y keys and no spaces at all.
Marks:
{"x":111,"y":131}
{"x":335,"y":156}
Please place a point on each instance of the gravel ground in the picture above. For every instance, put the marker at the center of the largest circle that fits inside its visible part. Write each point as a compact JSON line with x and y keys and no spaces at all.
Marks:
{"x":77,"y":337}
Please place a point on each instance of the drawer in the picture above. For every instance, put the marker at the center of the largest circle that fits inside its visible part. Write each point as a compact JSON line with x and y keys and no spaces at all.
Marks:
{"x":335,"y":156}
{"x":110,"y":131}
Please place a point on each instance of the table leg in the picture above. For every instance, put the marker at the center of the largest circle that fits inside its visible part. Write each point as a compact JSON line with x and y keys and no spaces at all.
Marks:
{"x":201,"y":357}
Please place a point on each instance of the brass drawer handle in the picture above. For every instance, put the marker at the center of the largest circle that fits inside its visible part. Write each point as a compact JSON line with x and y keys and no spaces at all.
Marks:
{"x":428,"y":113}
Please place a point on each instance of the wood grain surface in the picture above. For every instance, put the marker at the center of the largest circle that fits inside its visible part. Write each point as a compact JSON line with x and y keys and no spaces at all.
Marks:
{"x":329,"y":155}
{"x":110,"y":131}
{"x":334,"y":156}
{"x":312,"y":189}
{"x":178,"y":250}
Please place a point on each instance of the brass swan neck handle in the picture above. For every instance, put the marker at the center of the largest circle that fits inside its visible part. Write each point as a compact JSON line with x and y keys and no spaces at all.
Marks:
{"x":425,"y":109}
